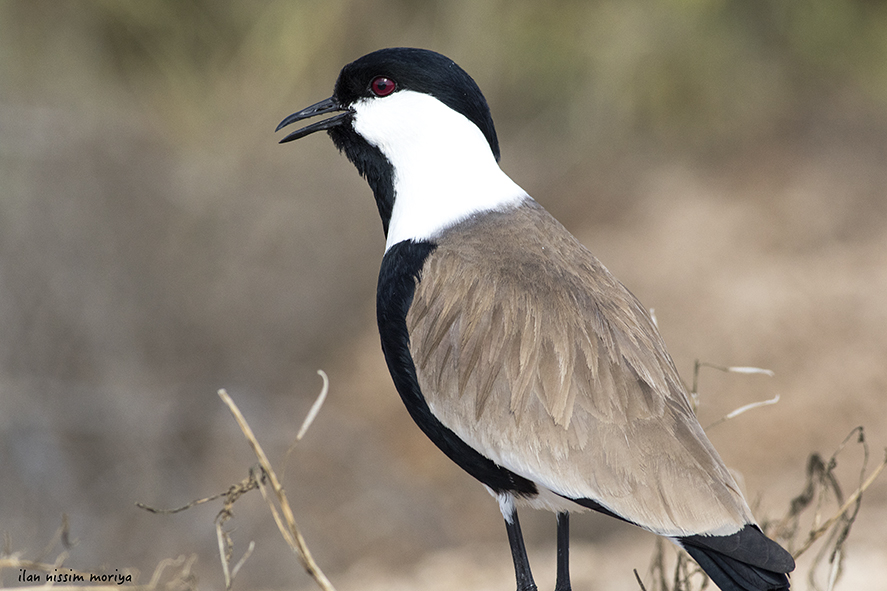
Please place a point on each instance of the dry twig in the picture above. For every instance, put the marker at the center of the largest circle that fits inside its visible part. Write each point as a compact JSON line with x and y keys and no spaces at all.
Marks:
{"x":694,"y":391}
{"x":287,"y":524}
{"x":55,"y":575}
{"x":259,"y":478}
{"x":821,"y":483}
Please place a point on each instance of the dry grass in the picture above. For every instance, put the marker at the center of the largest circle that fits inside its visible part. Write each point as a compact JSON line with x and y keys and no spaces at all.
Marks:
{"x":175,"y":574}
{"x":802,"y":526}
{"x":260,"y":477}
{"x":287,"y":523}
{"x":798,"y":530}
{"x":172,"y":574}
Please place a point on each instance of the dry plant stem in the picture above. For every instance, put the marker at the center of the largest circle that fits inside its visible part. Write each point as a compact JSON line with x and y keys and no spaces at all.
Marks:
{"x":657,"y":567}
{"x":822,"y":529}
{"x":289,"y":530}
{"x":659,"y":563}
{"x":226,"y":549}
{"x":309,"y":418}
{"x":247,"y":554}
{"x":179,"y":509}
{"x":315,"y":408}
{"x":225,"y":553}
{"x":184,"y":563}
{"x":62,"y":535}
{"x":681,"y":573}
{"x":638,"y":579}
{"x":181,"y":581}
{"x":743,"y":409}
{"x":838,"y":532}
{"x":694,"y":391}
{"x":226,"y":545}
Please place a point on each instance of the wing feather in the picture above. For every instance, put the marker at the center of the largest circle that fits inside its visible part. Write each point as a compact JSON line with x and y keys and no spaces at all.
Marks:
{"x":530,"y":351}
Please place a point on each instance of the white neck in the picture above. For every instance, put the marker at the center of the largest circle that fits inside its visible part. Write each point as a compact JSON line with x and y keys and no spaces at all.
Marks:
{"x":444,"y":169}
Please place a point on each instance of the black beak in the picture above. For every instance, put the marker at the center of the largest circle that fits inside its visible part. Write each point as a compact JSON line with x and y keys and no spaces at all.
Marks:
{"x":329,"y":105}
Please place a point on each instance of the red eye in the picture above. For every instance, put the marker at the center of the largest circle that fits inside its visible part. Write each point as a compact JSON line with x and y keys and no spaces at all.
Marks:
{"x":382,"y":86}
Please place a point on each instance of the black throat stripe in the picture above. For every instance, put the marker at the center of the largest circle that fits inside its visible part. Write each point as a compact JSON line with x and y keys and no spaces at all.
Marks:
{"x":401,"y":271}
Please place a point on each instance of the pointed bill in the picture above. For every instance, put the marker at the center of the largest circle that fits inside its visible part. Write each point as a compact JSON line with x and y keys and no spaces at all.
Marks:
{"x":329,"y":105}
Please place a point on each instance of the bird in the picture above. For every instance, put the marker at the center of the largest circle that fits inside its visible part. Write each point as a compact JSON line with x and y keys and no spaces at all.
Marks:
{"x":516,"y":352}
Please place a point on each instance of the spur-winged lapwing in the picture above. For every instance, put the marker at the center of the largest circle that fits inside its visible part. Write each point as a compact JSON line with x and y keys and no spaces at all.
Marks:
{"x":516,"y":352}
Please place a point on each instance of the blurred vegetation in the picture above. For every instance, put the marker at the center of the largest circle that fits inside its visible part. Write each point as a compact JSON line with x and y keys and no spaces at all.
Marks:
{"x":693,"y":71}
{"x":156,"y":244}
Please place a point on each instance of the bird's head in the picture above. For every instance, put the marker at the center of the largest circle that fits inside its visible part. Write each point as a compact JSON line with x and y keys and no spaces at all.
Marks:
{"x":418,"y":128}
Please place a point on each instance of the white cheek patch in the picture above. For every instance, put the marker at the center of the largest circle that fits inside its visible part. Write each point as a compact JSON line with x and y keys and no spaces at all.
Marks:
{"x":444,"y":169}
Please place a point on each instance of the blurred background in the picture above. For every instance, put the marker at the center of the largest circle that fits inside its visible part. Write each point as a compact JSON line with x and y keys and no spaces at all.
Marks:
{"x":726,"y":159}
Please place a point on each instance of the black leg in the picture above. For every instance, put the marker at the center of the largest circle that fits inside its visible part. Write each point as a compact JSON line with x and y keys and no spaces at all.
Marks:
{"x":563,"y":552}
{"x":519,"y":554}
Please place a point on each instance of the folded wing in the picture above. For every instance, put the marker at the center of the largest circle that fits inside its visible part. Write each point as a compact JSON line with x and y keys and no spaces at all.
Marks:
{"x":543,"y":362}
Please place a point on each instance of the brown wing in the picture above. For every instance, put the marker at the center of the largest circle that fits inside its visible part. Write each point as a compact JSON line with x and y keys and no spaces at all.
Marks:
{"x":548,"y":366}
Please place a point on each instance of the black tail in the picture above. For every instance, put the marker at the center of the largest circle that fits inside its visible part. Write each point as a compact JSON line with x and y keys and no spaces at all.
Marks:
{"x":745,"y":561}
